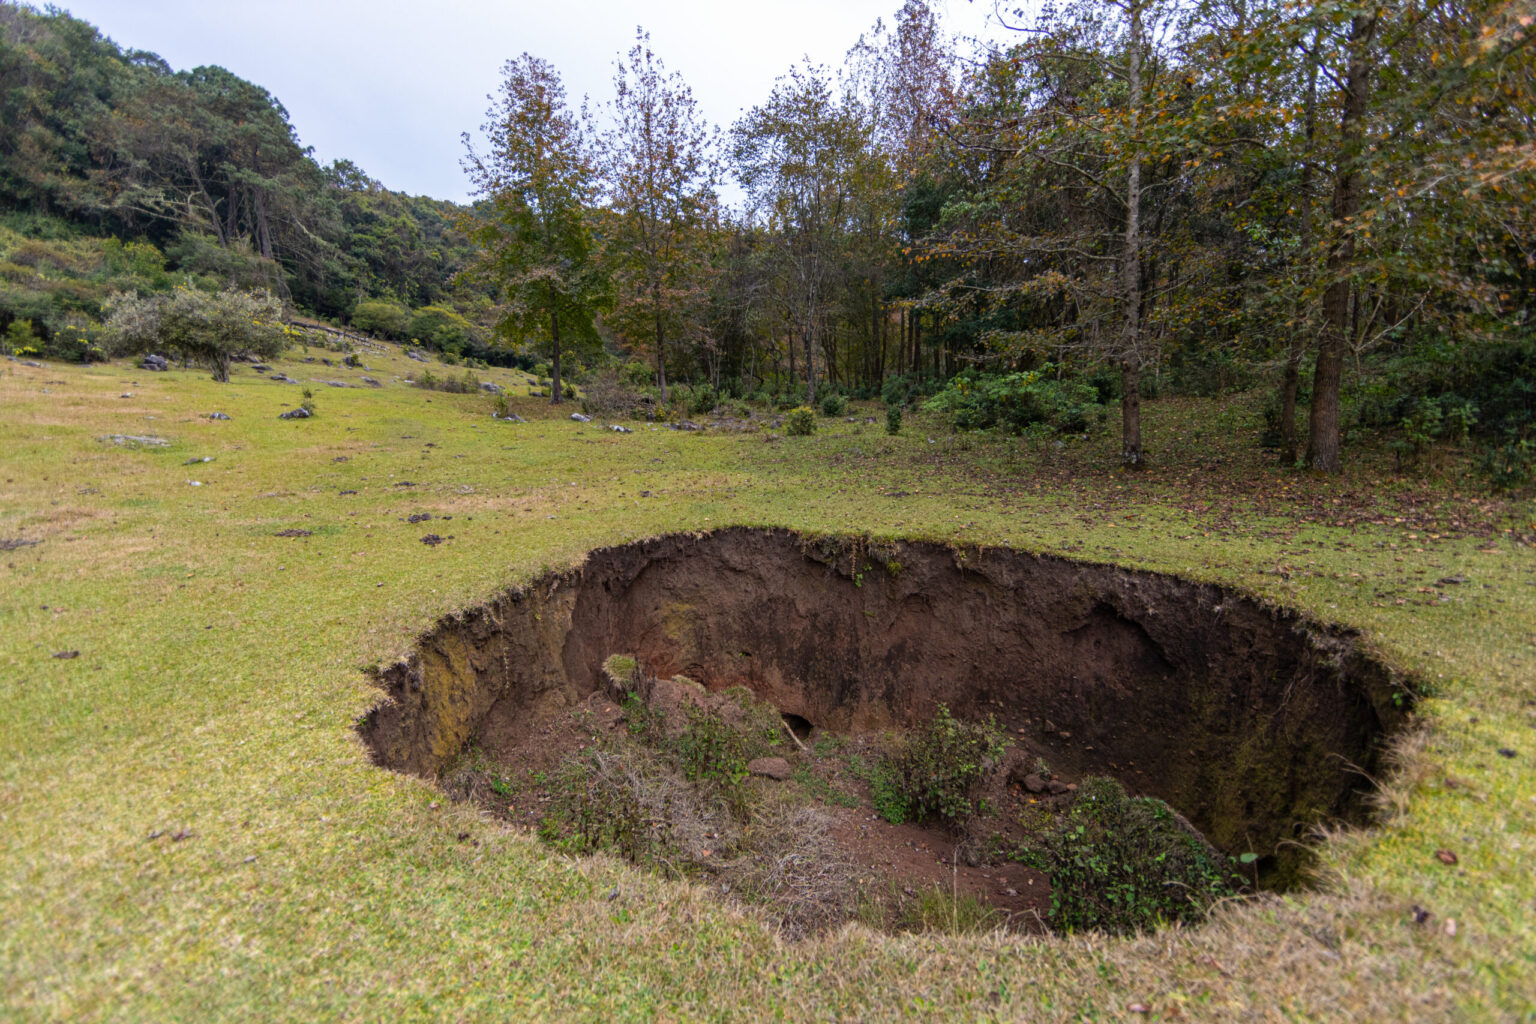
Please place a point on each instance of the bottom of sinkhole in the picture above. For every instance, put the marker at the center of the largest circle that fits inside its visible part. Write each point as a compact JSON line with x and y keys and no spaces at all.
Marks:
{"x":906,"y":734}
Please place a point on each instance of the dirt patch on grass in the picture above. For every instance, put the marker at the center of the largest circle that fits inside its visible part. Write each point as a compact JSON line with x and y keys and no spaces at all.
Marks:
{"x":1252,"y":723}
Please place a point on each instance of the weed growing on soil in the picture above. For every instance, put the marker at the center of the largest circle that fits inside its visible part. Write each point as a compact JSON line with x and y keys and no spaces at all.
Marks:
{"x":1124,"y":864}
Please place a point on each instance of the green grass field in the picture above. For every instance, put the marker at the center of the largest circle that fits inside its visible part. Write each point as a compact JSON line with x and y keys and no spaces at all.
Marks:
{"x":192,"y":831}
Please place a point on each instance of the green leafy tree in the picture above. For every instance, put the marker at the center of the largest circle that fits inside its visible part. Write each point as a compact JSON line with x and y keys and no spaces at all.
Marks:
{"x":207,"y":329}
{"x":660,"y":172}
{"x":535,"y":229}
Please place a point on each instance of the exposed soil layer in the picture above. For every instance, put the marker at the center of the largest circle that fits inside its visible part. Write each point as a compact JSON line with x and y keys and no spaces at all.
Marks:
{"x":1254,"y":723}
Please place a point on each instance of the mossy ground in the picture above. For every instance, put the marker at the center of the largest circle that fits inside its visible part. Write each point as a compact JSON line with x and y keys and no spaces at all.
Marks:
{"x":219,"y":676}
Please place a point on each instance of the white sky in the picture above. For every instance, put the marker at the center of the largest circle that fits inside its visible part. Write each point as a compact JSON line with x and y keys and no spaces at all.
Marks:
{"x":390,"y":84}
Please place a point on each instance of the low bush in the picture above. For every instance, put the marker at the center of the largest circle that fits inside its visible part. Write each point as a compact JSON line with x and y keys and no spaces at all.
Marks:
{"x":1016,"y":401}
{"x":834,"y":405}
{"x":467,"y":384}
{"x":800,"y":421}
{"x":1122,"y":864}
{"x":937,"y":770}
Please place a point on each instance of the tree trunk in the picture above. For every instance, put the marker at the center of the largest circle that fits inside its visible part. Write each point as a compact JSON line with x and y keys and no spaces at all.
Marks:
{"x":1292,"y":381}
{"x":661,"y":363}
{"x":1323,"y":423}
{"x":1131,"y":456}
{"x":554,"y":377}
{"x":810,"y":370}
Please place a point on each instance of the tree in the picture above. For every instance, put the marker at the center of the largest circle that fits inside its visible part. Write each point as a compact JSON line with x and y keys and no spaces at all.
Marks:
{"x":207,"y":329}
{"x":661,"y":175}
{"x":535,"y":236}
{"x":794,"y":156}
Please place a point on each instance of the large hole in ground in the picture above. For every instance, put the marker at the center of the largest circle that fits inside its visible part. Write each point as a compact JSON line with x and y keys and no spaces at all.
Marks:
{"x":604,"y":707}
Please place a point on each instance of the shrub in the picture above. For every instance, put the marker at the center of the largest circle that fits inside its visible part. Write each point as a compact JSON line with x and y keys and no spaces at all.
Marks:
{"x":1511,"y":466}
{"x":702,"y":399}
{"x":1015,"y":401}
{"x":800,"y":422}
{"x":468,"y":384}
{"x":206,"y":329}
{"x":384,"y":317}
{"x":1122,"y":864}
{"x":834,"y":405}
{"x":893,"y":420}
{"x":939,"y":768}
{"x":19,"y":337}
{"x":441,"y":328}
{"x":896,"y":390}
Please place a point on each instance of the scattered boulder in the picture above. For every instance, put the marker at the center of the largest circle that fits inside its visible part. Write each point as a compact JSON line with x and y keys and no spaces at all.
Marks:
{"x":510,"y":417}
{"x":617,"y":429}
{"x":195,"y":460}
{"x":283,"y":378}
{"x":261,"y":368}
{"x":1034,"y":783}
{"x":300,"y":413}
{"x":15,"y":543}
{"x":372,"y":383}
{"x":154,"y":362}
{"x":136,"y":440}
{"x":420,"y":357}
{"x":581,"y":418}
{"x":770,"y":768}
{"x":66,"y":655}
{"x":494,"y":389}
{"x":218,"y":415}
{"x":335,"y":383}
{"x":1056,"y":787}
{"x":431,"y":540}
{"x":685,"y":425}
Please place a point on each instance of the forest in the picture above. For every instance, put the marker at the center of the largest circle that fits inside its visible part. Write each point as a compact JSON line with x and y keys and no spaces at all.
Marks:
{"x":1115,"y":202}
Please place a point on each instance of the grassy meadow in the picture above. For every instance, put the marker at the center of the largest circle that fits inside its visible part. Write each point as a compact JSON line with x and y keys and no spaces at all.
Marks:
{"x":192,"y":830}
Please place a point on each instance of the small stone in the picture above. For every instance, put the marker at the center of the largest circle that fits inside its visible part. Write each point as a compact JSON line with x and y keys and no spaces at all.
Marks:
{"x":1507,"y":752}
{"x":1034,"y":783}
{"x":1056,"y":787}
{"x":300,"y":413}
{"x":371,"y":382}
{"x":66,"y":655}
{"x":769,"y":767}
{"x":580,"y":418}
{"x":1446,"y":856}
{"x":617,"y":429}
{"x":218,"y":415}
{"x":196,"y":460}
{"x":431,"y":540}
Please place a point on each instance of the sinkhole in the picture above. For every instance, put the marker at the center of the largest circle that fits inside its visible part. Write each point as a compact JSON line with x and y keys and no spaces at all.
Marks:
{"x":1251,"y":723}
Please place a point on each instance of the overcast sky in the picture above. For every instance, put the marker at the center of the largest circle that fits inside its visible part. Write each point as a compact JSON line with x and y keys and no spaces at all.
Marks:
{"x":390,"y":84}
